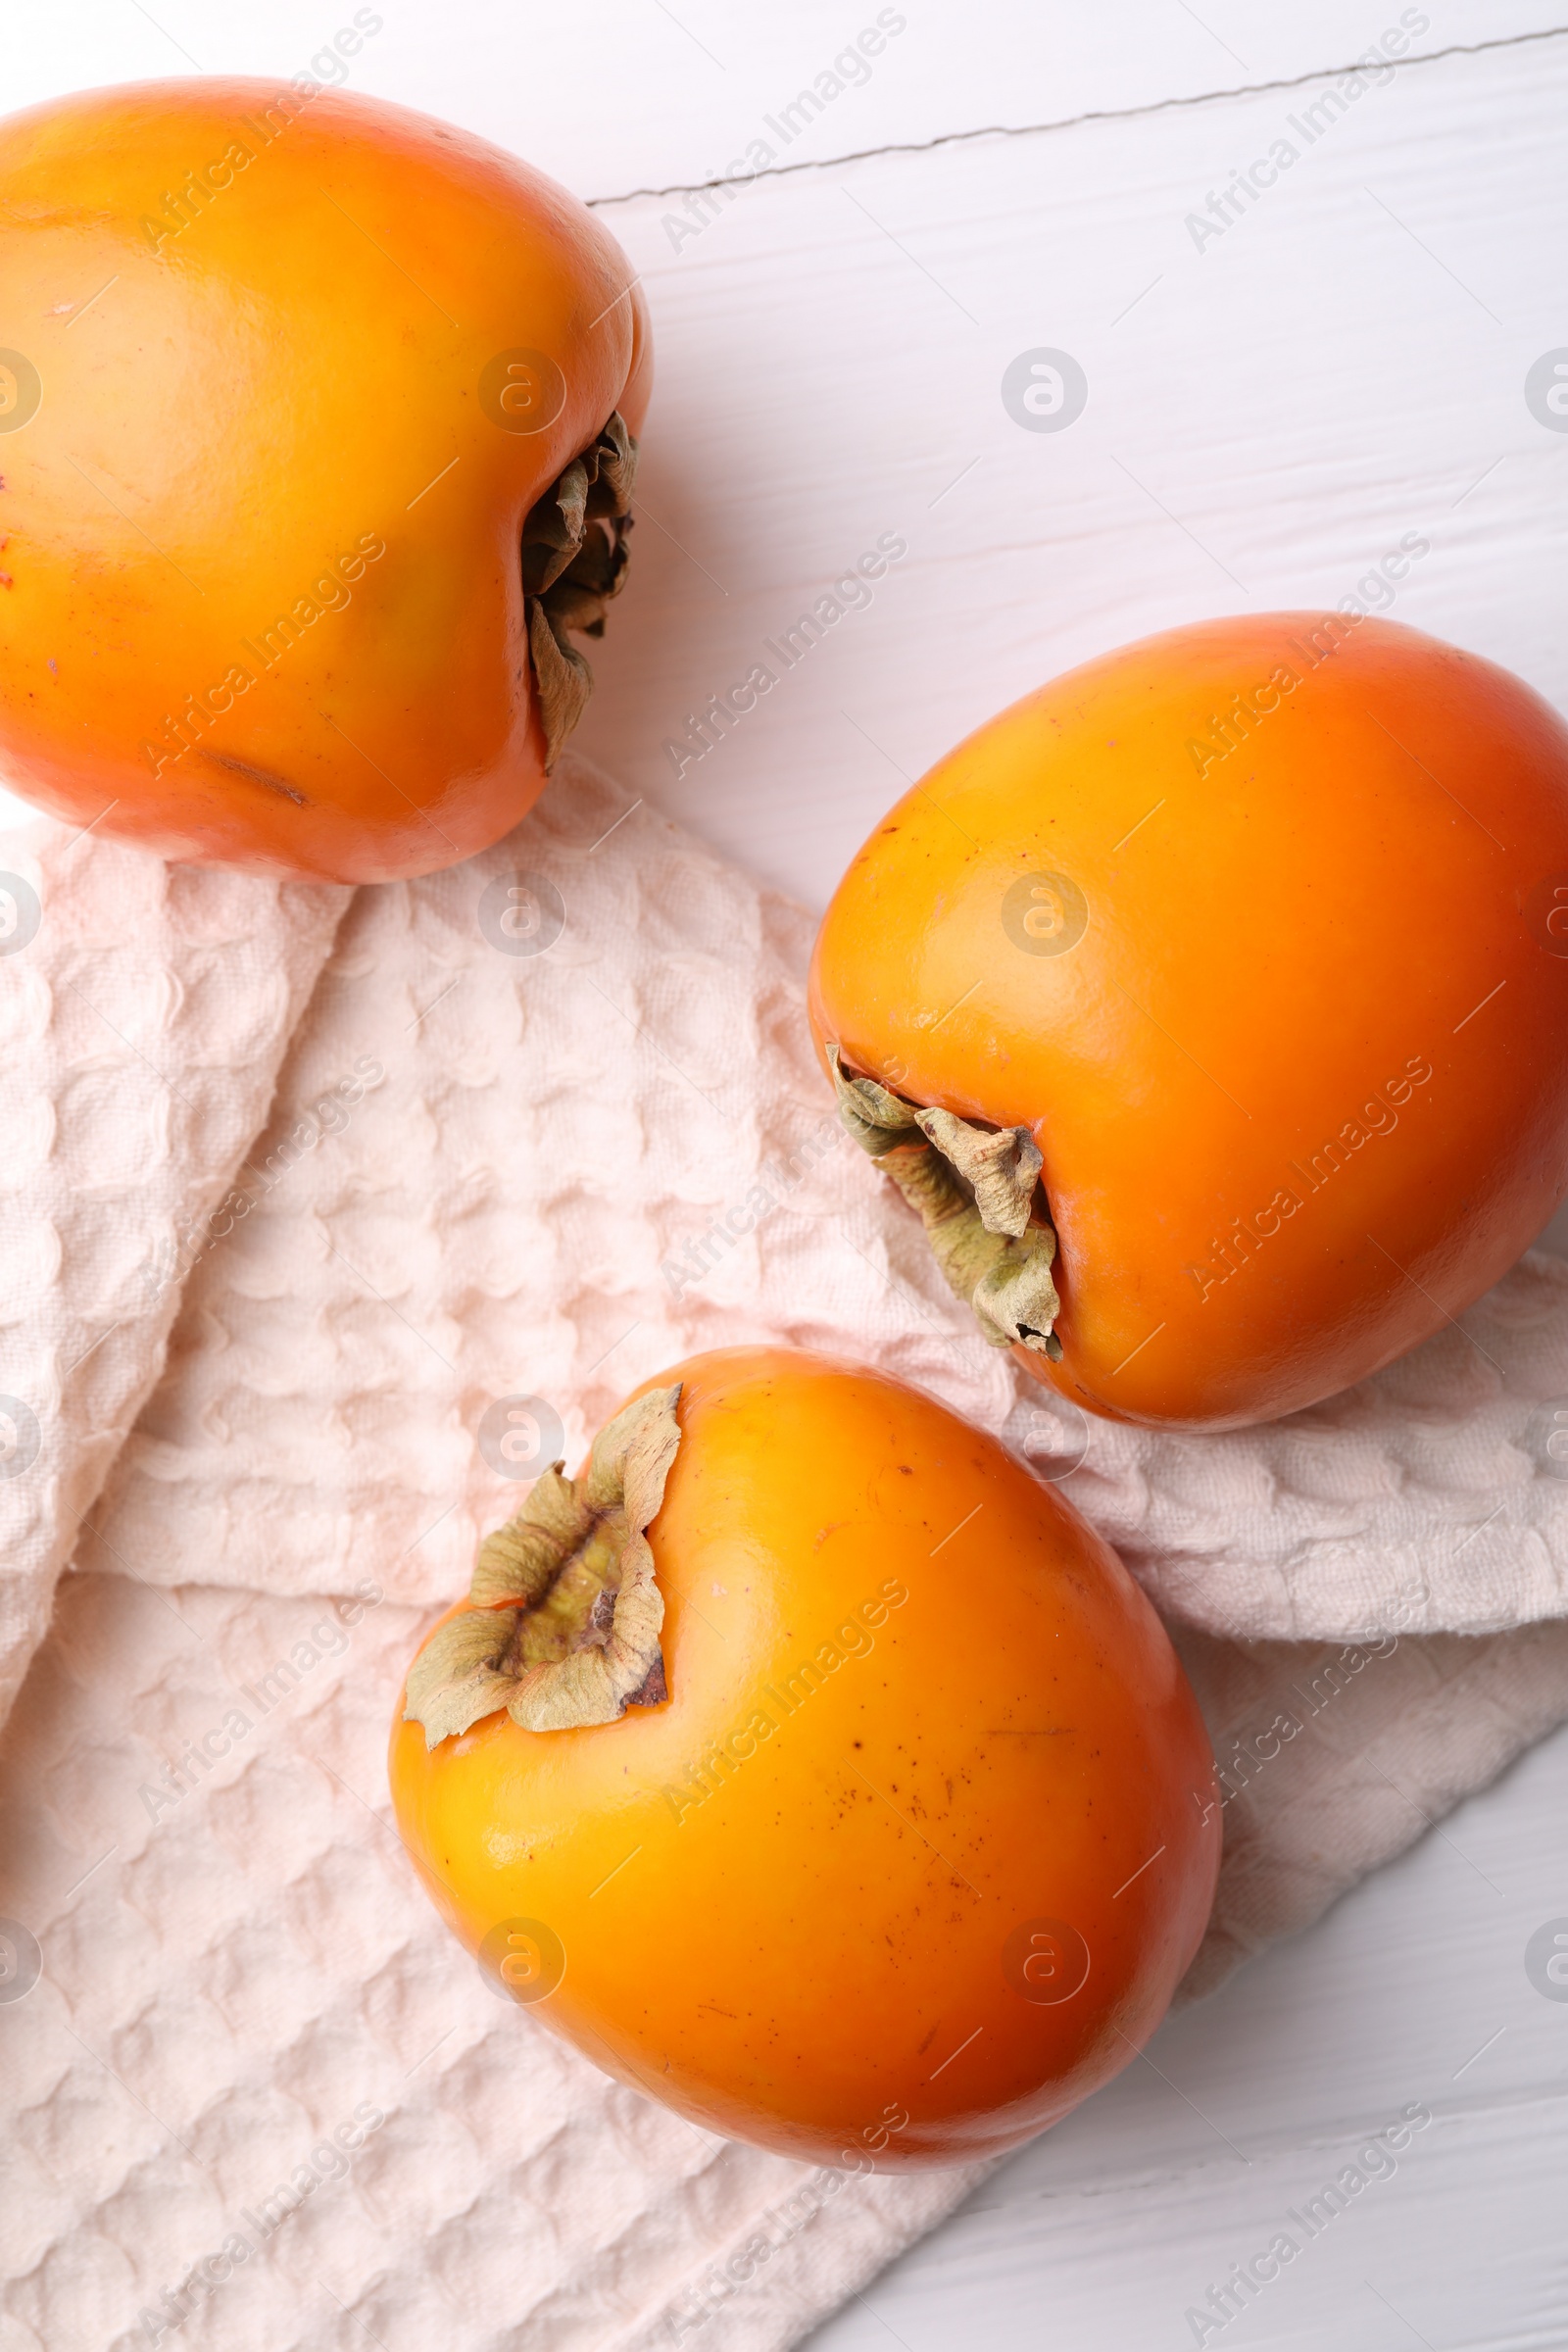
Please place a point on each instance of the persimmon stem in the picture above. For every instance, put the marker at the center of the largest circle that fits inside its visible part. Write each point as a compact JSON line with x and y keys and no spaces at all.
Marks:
{"x":570,"y":571}
{"x":563,"y":1618}
{"x":973,"y":1188}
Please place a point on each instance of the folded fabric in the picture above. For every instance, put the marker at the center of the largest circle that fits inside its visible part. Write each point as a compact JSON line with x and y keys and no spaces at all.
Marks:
{"x":585,"y":1146}
{"x":145,"y":1012}
{"x":577,"y":1150}
{"x":1432,"y":1497}
{"x":545,"y":1124}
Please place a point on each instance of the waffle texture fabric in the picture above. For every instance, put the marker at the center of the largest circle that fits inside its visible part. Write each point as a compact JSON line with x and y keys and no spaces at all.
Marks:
{"x":329,"y":1217}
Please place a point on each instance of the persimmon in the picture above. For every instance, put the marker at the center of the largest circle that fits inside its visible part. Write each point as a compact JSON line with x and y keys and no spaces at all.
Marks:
{"x":321,"y":440}
{"x":1209,"y":1004}
{"x":816,"y":1769}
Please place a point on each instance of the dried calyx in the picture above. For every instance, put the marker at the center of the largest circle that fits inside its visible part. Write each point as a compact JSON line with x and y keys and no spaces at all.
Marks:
{"x":974,"y":1188}
{"x":574,"y":558}
{"x":564,"y":1619}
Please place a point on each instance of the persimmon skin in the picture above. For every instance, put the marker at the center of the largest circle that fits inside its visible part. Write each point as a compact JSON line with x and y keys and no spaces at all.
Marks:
{"x":795,"y":1958}
{"x":1357,"y":890}
{"x":245,"y":385}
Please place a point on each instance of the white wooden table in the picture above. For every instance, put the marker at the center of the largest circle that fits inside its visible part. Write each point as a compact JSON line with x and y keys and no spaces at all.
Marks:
{"x":1283,"y":383}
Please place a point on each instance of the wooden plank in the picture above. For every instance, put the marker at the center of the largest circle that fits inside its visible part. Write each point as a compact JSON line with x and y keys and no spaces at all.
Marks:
{"x":1271,"y":409}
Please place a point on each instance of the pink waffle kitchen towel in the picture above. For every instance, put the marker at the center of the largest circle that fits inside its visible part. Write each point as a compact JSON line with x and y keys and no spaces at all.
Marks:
{"x":329,"y":1218}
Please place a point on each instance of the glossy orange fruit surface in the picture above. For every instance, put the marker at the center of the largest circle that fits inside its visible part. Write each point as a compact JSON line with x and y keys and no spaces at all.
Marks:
{"x":1260,"y":929}
{"x":921,"y":1841}
{"x":285,"y":372}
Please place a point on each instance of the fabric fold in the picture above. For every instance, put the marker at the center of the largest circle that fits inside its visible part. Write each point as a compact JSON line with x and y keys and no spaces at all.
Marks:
{"x":146,"y":1010}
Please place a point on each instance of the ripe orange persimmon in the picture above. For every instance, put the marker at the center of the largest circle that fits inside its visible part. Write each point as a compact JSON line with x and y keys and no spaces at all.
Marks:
{"x":1237,"y":960}
{"x":290,"y":530}
{"x":911,"y":1827}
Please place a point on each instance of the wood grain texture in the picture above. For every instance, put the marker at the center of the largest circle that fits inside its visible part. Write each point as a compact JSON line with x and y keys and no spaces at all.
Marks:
{"x":1267,"y":415}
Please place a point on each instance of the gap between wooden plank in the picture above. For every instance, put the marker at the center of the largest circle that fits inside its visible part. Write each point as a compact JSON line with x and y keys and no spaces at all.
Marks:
{"x":1123,"y":114}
